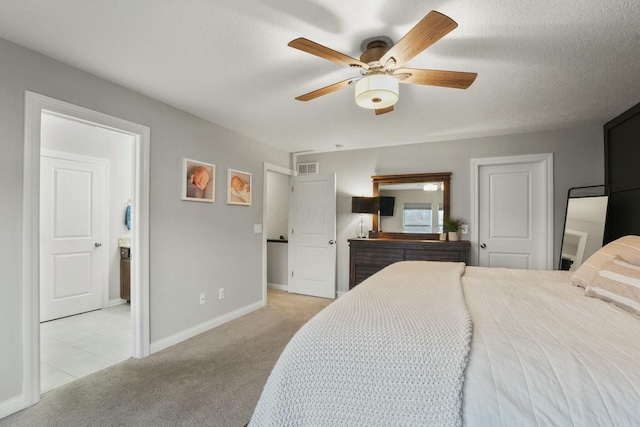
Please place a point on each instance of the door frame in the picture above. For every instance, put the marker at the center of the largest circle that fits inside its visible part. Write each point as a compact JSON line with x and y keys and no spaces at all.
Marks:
{"x":105,"y":244}
{"x":34,"y":105}
{"x":268,"y":167}
{"x":546,"y":159}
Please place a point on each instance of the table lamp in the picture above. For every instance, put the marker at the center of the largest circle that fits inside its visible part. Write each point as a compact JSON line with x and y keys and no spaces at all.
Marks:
{"x":362,"y":205}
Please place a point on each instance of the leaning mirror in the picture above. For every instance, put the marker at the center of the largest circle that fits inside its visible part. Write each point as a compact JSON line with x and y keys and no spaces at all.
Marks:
{"x":411,"y":206}
{"x":584,"y":225}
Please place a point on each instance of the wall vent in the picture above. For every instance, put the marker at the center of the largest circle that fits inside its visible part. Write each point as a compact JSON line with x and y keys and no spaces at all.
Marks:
{"x":308,"y":168}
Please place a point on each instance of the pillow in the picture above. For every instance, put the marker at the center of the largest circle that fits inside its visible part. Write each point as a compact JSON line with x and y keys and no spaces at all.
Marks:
{"x":627,"y":248}
{"x":617,"y":282}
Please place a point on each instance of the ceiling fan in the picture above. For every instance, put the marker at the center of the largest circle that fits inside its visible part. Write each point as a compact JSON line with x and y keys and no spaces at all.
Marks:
{"x":381,"y":65}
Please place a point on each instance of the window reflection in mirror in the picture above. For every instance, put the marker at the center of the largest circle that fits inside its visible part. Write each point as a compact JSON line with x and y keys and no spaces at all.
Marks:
{"x":417,"y":207}
{"x":584,"y":225}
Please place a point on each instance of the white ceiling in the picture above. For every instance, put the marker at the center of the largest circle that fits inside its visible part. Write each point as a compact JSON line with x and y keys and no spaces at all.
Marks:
{"x":543,"y":64}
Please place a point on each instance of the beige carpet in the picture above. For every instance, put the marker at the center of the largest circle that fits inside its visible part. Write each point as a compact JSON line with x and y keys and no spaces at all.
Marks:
{"x":214,"y":379}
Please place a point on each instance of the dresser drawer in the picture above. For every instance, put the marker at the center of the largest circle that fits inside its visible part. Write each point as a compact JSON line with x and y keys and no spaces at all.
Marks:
{"x":383,"y":256}
{"x":364,"y":271}
{"x":368,"y":256}
{"x":432,"y":255}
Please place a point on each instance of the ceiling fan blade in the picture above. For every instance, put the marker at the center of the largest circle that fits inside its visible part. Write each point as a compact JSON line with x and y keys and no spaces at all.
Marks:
{"x":429,"y":30}
{"x":384,"y":110}
{"x":325,"y":90}
{"x":453,"y":79}
{"x":316,"y":49}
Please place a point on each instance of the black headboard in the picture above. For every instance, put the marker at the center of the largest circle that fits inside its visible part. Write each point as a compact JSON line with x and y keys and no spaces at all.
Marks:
{"x":622,"y":173}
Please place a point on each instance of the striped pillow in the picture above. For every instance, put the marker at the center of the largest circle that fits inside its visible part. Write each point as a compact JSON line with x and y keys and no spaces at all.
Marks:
{"x":627,"y":248}
{"x":617,"y":282}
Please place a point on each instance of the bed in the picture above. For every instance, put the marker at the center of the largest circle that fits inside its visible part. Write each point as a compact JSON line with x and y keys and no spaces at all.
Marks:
{"x":427,"y":343}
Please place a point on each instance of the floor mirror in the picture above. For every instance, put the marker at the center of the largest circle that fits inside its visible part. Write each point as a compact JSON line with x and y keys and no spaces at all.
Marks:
{"x":584,"y":225}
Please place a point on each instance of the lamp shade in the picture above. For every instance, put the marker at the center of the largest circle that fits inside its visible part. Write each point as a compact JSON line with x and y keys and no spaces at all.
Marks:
{"x":362,"y":205}
{"x":377,"y":91}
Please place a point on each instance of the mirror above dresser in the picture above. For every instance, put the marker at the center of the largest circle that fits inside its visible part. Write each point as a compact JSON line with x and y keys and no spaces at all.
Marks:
{"x":411,"y":206}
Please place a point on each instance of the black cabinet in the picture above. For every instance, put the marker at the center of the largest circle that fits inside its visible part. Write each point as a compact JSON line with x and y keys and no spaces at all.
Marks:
{"x":621,"y":154}
{"x":125,"y":273}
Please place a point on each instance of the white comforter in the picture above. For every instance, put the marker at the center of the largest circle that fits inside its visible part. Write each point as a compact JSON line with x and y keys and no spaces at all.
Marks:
{"x":544,"y":354}
{"x":392,"y":352}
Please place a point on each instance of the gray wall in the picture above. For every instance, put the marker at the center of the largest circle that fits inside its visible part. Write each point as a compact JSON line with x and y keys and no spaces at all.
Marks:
{"x":195,"y":247}
{"x":578,"y":156}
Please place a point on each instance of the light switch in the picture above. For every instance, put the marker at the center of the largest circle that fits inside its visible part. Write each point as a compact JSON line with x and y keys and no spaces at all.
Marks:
{"x":257,"y":228}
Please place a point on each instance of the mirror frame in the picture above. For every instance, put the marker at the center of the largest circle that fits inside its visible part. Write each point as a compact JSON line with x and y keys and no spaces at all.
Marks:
{"x":601,"y":190}
{"x":444,"y":177}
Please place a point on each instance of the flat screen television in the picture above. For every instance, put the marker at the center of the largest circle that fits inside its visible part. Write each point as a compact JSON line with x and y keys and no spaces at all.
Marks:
{"x":386,"y":205}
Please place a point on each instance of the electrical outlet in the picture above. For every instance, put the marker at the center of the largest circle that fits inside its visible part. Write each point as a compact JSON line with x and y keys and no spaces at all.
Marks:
{"x":221,"y":293}
{"x":202,"y":299}
{"x":464,"y":229}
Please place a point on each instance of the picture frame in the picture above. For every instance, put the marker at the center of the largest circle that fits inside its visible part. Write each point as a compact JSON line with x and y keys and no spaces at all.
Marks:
{"x":198,"y":181}
{"x":238,"y":187}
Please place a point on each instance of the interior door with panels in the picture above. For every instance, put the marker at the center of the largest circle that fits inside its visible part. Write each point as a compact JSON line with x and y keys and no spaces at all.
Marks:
{"x":514,"y":217}
{"x":72,"y":229}
{"x":313,"y":235}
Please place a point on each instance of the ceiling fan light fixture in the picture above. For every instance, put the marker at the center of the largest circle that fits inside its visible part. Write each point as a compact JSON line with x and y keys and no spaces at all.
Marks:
{"x":377,"y":91}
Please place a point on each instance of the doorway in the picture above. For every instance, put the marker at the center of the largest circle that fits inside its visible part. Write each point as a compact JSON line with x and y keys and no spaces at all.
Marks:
{"x":275,"y":229}
{"x":512,"y":211}
{"x":36,"y":106}
{"x":85,"y":188}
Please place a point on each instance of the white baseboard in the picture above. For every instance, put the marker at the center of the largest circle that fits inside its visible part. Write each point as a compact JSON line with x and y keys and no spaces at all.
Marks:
{"x":277,"y":286}
{"x":203,"y":327}
{"x":341,"y":293}
{"x":117,"y":301}
{"x":13,"y":405}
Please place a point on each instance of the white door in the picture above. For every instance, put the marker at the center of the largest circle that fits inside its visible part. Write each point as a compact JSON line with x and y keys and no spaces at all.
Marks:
{"x":313,"y":236}
{"x":72,"y":229}
{"x":514,"y":213}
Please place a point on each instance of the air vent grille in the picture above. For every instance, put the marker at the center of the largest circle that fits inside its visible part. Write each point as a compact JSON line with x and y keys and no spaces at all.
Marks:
{"x":308,"y":168}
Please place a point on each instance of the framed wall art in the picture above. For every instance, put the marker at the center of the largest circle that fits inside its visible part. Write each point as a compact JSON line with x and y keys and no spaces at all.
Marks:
{"x":198,"y":181}
{"x":238,"y":188}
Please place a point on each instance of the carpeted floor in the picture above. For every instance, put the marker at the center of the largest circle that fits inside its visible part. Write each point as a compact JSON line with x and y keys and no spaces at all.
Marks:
{"x":213,"y":379}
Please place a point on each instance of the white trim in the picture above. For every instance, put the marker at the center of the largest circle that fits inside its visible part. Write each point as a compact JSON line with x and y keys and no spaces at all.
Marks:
{"x":184,"y":335}
{"x":116,"y":301}
{"x":12,"y":405}
{"x":278,"y":287}
{"x":547,"y":163}
{"x":268,"y":167}
{"x":35,"y":104}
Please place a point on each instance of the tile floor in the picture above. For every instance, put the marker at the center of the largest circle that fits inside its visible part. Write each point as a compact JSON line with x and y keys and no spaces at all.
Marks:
{"x":76,"y":346}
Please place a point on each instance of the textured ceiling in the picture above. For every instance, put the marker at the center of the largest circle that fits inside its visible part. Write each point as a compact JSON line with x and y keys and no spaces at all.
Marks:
{"x":544,"y":64}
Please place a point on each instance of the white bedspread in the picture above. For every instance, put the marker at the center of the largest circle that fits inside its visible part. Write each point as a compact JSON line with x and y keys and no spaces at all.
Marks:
{"x":544,"y":354}
{"x":391,"y":352}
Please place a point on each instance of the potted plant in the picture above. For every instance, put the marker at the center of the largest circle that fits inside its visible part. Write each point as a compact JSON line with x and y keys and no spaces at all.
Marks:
{"x":453,"y":225}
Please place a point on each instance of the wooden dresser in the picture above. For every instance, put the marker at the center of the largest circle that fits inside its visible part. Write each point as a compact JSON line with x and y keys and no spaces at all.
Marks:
{"x":368,"y":256}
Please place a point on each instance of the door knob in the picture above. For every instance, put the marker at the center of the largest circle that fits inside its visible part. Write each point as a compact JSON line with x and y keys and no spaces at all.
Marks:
{"x":331,"y":242}
{"x":97,"y":245}
{"x":483,"y":246}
